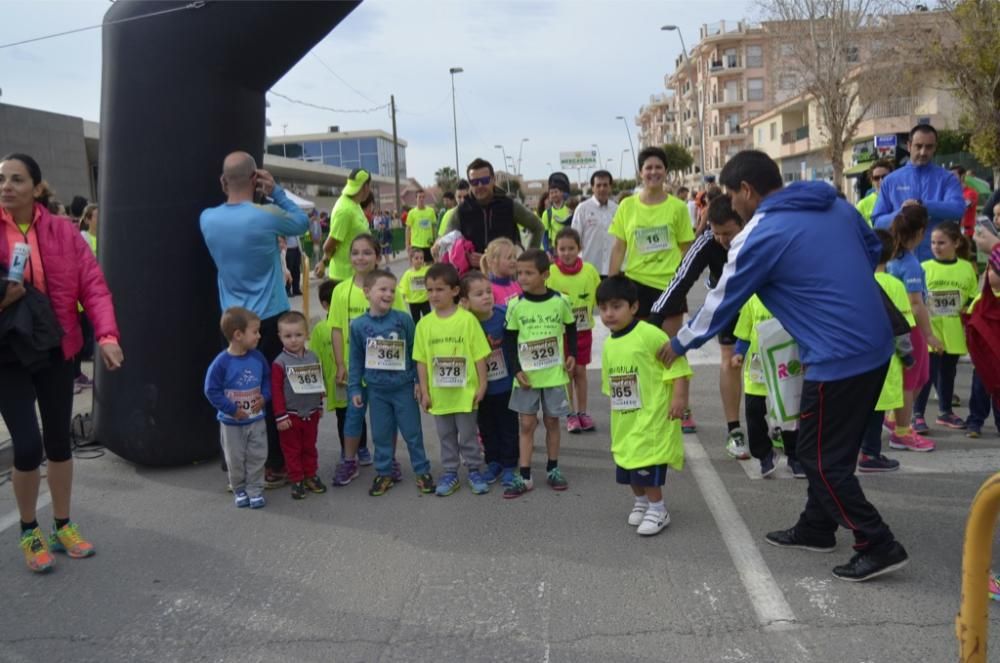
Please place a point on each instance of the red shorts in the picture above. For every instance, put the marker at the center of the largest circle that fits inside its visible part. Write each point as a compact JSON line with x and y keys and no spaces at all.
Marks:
{"x":584,"y":339}
{"x":916,"y":376}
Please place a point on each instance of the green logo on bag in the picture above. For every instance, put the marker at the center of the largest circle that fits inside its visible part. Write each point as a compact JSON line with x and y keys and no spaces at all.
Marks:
{"x":789,"y":370}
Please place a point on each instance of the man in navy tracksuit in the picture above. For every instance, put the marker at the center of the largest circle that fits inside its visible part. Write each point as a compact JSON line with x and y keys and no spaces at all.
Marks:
{"x":811,"y":257}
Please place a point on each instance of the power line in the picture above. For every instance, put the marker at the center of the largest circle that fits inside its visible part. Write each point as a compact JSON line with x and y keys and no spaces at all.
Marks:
{"x":197,"y":4}
{"x":337,"y":76}
{"x":327,"y":108}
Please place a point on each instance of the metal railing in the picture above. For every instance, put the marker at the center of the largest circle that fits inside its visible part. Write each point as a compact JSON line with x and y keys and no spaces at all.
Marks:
{"x":794,"y":135}
{"x":893,"y":107}
{"x":727,"y":97}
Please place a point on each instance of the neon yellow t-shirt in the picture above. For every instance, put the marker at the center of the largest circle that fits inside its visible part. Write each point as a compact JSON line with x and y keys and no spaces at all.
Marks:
{"x":554,"y":220}
{"x":891,"y":396}
{"x":347,"y":221}
{"x":581,"y":291}
{"x":653,"y":235}
{"x":413,"y":286}
{"x":348,"y":302}
{"x":540,"y":328}
{"x":752,"y":314}
{"x":421,"y":224}
{"x":641,"y":389}
{"x":445,"y":220}
{"x":866,"y":206}
{"x":449,"y":348}
{"x":950,"y":288}
{"x":321,"y":342}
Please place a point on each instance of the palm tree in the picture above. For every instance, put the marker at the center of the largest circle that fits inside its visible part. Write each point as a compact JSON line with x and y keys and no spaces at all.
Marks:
{"x":446,"y":178}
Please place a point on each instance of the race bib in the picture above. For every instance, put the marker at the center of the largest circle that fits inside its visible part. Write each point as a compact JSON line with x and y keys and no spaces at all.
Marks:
{"x":582,"y":319}
{"x":244,"y":398}
{"x":385,"y":354}
{"x":945,"y":302}
{"x":306,"y":379}
{"x":756,"y":369}
{"x":449,"y":372}
{"x":536,"y":355}
{"x":625,"y":392}
{"x":652,"y":240}
{"x":417,"y":284}
{"x":496,"y":366}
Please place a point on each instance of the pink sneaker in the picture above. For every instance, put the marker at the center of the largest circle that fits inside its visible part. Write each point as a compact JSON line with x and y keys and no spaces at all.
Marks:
{"x":888,"y":425}
{"x":994,"y":587}
{"x":586,"y":423}
{"x":573,"y":424}
{"x":911,"y":442}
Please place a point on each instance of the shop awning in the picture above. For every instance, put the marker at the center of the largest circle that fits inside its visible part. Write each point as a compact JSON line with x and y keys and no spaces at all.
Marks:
{"x":856,"y":171}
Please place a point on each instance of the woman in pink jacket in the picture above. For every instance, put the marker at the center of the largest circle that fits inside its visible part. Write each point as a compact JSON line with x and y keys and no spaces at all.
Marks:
{"x":60,"y":272}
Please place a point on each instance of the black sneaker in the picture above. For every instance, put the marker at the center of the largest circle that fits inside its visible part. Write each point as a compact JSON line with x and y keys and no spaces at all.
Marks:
{"x":789,"y":538}
{"x":867,"y":565}
{"x":298,"y":491}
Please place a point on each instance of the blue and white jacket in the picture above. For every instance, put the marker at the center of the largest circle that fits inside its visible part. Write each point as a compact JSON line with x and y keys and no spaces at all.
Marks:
{"x":810,"y":257}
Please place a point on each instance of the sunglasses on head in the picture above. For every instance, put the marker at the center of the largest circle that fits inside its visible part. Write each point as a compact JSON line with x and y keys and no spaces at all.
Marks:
{"x":480,"y":181}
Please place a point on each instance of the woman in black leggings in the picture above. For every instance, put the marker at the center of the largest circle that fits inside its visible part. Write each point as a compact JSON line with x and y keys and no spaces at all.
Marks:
{"x":39,"y":337}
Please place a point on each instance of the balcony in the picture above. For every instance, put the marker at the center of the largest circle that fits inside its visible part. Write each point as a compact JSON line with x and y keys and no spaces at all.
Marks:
{"x":725,"y":130}
{"x":795,"y":142}
{"x":729,"y":64}
{"x":795,"y":135}
{"x":893,"y":107}
{"x":726,"y":99}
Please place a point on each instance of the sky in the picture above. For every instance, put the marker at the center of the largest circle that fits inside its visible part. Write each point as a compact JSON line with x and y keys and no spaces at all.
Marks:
{"x":555,"y":72}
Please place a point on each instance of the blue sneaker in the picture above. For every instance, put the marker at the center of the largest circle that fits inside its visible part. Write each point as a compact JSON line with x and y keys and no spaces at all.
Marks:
{"x":507,"y":477}
{"x":478,"y":483}
{"x":447,"y":484}
{"x":492,"y":472}
{"x":768,"y":464}
{"x":364,"y":456}
{"x":257,"y":502}
{"x":242,"y":499}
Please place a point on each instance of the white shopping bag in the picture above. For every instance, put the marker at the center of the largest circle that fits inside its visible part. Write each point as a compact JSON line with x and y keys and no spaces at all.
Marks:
{"x":783,"y":374}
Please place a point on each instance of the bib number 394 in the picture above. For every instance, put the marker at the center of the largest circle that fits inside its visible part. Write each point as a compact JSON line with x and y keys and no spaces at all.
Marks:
{"x":449,"y":372}
{"x":625,"y":392}
{"x":652,"y":240}
{"x":945,"y":302}
{"x":536,"y":355}
{"x":306,"y":379}
{"x":386,"y":354}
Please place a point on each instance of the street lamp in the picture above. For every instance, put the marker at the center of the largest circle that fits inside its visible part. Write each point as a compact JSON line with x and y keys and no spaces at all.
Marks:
{"x":629,"y":134}
{"x":701,"y":130}
{"x":454,"y":116}
{"x":506,"y":173}
{"x":599,"y":159}
{"x":520,"y":150}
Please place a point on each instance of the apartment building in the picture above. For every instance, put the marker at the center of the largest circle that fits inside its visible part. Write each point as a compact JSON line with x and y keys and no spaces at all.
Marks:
{"x":656,"y":120}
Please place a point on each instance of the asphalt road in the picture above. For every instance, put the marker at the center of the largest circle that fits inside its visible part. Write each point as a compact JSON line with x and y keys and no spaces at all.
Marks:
{"x":182,"y":575}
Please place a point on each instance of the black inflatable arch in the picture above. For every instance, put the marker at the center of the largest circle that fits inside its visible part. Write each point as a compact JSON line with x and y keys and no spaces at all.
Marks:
{"x":179,"y":92}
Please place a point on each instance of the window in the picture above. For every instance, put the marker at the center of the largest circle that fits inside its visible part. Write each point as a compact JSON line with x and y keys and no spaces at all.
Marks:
{"x":851,"y":54}
{"x":752,"y":114}
{"x":755,"y":89}
{"x":760,"y":135}
{"x":293,"y":150}
{"x":787,"y":82}
{"x":332,"y":160}
{"x":331,"y":148}
{"x":370,"y":162}
{"x":277,"y":150}
{"x":349,"y":150}
{"x":787,"y":50}
{"x":368,"y":146}
{"x":755,"y":56}
{"x":774,"y":130}
{"x":311,"y":150}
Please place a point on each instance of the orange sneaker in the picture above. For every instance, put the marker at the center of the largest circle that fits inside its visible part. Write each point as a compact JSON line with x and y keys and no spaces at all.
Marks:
{"x":67,"y":540}
{"x":36,"y":553}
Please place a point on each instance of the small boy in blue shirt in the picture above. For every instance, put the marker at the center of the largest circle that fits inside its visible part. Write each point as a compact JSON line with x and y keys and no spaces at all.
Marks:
{"x":238,"y":385}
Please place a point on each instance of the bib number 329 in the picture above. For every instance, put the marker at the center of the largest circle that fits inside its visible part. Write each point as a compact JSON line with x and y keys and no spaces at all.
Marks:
{"x":536,"y":355}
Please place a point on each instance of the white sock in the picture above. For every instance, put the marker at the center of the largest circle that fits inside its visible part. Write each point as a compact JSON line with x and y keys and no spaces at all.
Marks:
{"x":642,"y":501}
{"x":658,"y":507}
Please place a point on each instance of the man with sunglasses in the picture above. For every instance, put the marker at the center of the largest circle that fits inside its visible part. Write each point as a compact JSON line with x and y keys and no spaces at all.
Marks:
{"x":488,"y":213}
{"x":876,"y":174}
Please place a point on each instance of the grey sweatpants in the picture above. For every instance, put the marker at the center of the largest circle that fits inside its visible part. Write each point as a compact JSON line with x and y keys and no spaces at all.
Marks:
{"x":457,"y":435}
{"x":245,"y":448}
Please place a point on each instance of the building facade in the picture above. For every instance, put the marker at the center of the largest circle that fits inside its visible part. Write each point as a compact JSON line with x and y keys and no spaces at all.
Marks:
{"x":371,"y":150}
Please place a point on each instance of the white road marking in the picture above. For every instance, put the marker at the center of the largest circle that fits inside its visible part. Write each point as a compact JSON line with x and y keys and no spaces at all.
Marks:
{"x":9,"y":520}
{"x":769,"y":603}
{"x":949,"y":461}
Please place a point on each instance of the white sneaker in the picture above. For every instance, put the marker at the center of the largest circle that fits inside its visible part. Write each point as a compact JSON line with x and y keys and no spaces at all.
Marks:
{"x":635,"y":516}
{"x":653,"y":522}
{"x":736,"y":445}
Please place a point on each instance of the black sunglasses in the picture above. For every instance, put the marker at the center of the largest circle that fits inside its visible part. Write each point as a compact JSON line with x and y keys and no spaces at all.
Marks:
{"x":480,"y":181}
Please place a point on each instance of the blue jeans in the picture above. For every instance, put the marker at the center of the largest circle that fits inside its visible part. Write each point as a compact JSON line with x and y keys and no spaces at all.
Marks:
{"x":395,"y":408}
{"x":980,"y":406}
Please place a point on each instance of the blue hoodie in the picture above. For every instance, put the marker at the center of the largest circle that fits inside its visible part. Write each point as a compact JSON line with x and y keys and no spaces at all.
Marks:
{"x":810,"y":257}
{"x":938,"y":190}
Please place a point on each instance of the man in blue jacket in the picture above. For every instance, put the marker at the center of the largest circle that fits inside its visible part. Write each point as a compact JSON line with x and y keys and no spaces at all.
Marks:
{"x":811,"y":257}
{"x":242,"y":237}
{"x":920,"y":181}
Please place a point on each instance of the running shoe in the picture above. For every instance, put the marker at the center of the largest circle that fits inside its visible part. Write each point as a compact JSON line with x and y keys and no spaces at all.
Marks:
{"x":492,"y":472}
{"x":798,"y":471}
{"x":556,"y":480}
{"x":83,"y":381}
{"x":888,"y":425}
{"x":518,"y":486}
{"x":870,"y":564}
{"x":242,"y":499}
{"x":477,"y":483}
{"x":973,"y":433}
{"x":790,"y":538}
{"x":586,"y":423}
{"x":768,"y":464}
{"x":346,"y":472}
{"x":447,"y":484}
{"x":993,"y":586}
{"x":653,"y":522}
{"x":275,"y":478}
{"x":381,"y":485}
{"x":912,"y":442}
{"x":949,"y":420}
{"x":507,"y":478}
{"x":257,"y":502}
{"x":36,"y":553}
{"x":636,"y":514}
{"x":364,"y":457}
{"x":315,"y":485}
{"x":397,"y":471}
{"x":573,"y":424}
{"x":919,"y":425}
{"x":877,"y":464}
{"x":425,"y":483}
{"x":736,"y":445}
{"x":688,"y":425}
{"x":298,"y":490}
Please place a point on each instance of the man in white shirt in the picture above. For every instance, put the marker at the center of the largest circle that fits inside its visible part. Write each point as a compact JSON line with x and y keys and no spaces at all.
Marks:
{"x":592,"y":219}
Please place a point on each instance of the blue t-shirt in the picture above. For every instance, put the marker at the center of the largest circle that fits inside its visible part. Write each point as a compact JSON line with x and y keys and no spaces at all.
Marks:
{"x":394,"y":326}
{"x":907,"y":269}
{"x":499,"y":363}
{"x":234,"y":382}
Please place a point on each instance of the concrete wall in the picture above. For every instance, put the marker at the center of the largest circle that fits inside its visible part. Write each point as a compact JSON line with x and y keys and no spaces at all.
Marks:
{"x":55,"y":141}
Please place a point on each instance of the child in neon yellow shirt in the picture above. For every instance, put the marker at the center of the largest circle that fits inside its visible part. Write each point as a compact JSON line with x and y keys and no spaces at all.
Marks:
{"x":412,"y":285}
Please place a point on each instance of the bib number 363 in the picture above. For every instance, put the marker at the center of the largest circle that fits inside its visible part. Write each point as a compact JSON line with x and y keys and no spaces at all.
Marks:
{"x":306,"y":379}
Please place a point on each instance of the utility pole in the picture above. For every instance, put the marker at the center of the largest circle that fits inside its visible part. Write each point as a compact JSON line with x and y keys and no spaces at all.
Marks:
{"x":395,"y":152}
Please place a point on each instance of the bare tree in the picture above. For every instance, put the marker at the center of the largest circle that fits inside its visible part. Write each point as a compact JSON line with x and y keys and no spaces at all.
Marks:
{"x":843,"y":54}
